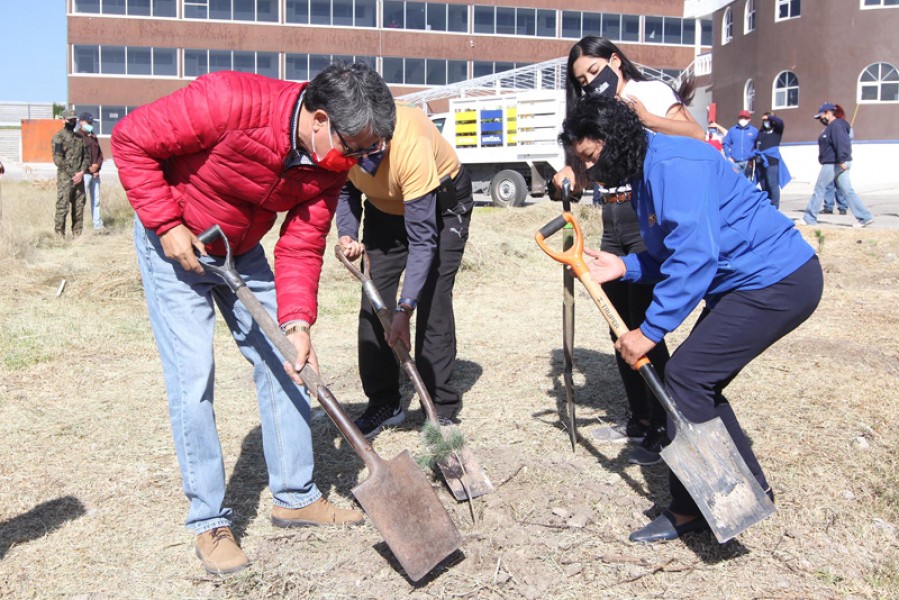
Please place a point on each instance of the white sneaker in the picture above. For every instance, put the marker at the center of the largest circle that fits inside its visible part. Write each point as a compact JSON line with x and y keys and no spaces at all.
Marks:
{"x":860,"y":224}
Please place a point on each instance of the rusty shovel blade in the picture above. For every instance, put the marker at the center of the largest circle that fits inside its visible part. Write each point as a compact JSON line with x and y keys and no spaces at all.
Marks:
{"x":401,"y":503}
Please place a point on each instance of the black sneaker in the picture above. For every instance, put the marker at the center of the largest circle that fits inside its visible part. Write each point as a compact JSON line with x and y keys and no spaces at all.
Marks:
{"x":648,"y":452}
{"x":826,"y":211}
{"x":842,"y":211}
{"x":631,"y":432}
{"x":375,"y":418}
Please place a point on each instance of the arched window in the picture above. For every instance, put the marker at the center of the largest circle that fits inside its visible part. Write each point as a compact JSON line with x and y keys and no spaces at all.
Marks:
{"x":749,"y":96}
{"x":749,"y":17}
{"x":879,"y":83}
{"x":786,"y":90}
{"x":727,"y":26}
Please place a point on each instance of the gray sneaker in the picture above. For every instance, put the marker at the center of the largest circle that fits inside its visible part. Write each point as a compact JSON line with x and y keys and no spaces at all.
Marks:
{"x":631,"y":432}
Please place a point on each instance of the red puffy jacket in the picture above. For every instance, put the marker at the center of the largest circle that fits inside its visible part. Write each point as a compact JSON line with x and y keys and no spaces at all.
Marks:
{"x":214,"y":152}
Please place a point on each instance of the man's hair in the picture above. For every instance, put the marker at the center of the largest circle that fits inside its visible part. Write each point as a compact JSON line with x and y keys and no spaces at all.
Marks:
{"x":613,"y":123}
{"x":356,"y":99}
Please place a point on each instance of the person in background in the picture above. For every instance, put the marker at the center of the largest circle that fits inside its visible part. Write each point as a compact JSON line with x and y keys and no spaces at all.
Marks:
{"x":834,"y":196}
{"x":715,"y":136}
{"x":835,"y":157}
{"x":596,"y":66}
{"x":92,"y":175}
{"x":72,"y":160}
{"x":722,"y":242}
{"x":739,"y":143}
{"x":416,"y":216}
{"x":771,"y":171}
{"x":235,"y":149}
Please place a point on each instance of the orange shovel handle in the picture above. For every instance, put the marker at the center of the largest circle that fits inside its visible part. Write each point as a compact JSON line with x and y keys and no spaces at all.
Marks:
{"x":574,"y":256}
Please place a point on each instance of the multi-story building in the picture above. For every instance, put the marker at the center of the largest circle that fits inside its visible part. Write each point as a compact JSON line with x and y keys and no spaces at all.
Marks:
{"x":790,"y":56}
{"x":125,"y":53}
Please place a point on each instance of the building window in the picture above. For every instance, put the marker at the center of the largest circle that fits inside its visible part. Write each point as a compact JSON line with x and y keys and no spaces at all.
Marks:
{"x":546,"y":23}
{"x":879,"y":83}
{"x":787,"y":9}
{"x":199,"y":62}
{"x":668,"y":30}
{"x":86,"y":59}
{"x":304,"y":67}
{"x":424,"y":16}
{"x":105,"y":117}
{"x":727,"y":26}
{"x":260,"y":11}
{"x":879,"y":3}
{"x":706,"y":36}
{"x":786,"y":90}
{"x":749,"y":96}
{"x":749,"y":17}
{"x":132,"y":8}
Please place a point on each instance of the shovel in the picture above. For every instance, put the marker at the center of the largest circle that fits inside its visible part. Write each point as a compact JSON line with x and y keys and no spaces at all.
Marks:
{"x":460,"y":469}
{"x":396,"y":496}
{"x":568,"y":320}
{"x":702,"y":455}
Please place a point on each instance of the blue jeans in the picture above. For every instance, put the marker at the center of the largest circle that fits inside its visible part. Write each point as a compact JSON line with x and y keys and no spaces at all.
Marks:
{"x":92,"y":193}
{"x":835,"y":174}
{"x":745,"y":167}
{"x":832,"y":193}
{"x":769,"y":180}
{"x":182,"y":316}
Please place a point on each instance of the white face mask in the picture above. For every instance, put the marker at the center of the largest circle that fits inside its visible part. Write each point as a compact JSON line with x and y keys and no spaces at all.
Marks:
{"x":743,"y":122}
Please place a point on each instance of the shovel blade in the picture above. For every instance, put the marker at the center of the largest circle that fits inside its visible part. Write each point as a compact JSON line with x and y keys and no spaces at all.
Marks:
{"x":468,"y":482}
{"x":708,"y":464}
{"x":401,"y":503}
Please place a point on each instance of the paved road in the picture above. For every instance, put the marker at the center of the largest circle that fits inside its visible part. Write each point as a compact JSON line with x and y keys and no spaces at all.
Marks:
{"x":882,"y":202}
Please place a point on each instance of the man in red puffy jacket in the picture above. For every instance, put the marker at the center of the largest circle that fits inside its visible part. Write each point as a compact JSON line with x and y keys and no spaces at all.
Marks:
{"x":235,"y":149}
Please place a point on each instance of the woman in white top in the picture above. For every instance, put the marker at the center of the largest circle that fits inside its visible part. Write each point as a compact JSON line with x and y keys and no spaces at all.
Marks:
{"x":597,"y":66}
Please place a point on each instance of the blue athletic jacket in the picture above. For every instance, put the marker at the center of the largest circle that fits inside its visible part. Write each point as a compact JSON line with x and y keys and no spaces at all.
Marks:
{"x":739,"y":143}
{"x":708,"y":231}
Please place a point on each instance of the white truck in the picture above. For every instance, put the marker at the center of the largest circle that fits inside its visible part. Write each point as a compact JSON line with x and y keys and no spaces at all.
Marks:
{"x":509,"y":143}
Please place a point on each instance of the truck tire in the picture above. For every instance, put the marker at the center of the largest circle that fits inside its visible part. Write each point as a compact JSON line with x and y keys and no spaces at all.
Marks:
{"x":508,"y":188}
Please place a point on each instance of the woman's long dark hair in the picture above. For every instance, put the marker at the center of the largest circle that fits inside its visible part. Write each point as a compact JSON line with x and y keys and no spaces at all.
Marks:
{"x":621,"y":131}
{"x":600,"y":47}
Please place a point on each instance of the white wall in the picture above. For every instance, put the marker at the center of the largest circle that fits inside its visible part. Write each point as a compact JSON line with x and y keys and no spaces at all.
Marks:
{"x":874,"y":166}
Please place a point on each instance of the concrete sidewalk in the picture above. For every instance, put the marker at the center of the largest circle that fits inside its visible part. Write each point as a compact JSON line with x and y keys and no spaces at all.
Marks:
{"x":883,"y":202}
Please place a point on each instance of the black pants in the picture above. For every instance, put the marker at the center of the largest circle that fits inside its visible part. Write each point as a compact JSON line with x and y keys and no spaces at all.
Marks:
{"x":620,"y":236}
{"x":387,"y":246}
{"x":742,"y":325}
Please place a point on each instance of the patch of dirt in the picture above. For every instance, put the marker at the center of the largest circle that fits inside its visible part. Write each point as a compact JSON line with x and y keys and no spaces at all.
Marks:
{"x":90,"y":493}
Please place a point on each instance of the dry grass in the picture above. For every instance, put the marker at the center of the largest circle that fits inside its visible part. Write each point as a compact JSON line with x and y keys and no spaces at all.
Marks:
{"x":90,"y":500}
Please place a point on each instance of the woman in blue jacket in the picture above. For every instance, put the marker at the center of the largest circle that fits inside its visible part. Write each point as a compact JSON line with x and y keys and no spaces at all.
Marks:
{"x":710,"y":235}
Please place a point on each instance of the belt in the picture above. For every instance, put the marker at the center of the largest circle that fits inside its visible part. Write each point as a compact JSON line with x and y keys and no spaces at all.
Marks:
{"x":616,"y":197}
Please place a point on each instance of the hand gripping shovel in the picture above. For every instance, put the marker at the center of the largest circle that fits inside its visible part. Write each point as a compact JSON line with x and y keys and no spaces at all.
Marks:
{"x":460,"y":469}
{"x":568,"y":319}
{"x":702,"y":455}
{"x":396,"y":496}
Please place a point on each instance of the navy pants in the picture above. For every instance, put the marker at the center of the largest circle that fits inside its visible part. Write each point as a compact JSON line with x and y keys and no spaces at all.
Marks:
{"x":742,"y":325}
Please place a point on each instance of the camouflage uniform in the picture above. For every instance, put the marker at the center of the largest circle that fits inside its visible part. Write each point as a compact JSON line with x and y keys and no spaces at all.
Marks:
{"x":70,"y":156}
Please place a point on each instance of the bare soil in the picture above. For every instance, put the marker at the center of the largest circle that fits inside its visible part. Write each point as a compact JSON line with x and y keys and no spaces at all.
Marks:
{"x":90,"y":493}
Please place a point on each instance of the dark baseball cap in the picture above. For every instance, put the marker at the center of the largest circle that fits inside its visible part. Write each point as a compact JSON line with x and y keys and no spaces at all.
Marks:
{"x":86,"y":116}
{"x":824,"y":108}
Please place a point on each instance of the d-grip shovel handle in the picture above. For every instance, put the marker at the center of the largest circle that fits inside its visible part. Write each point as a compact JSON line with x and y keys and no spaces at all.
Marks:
{"x":402,"y":352}
{"x":574,"y":256}
{"x":274,"y":333}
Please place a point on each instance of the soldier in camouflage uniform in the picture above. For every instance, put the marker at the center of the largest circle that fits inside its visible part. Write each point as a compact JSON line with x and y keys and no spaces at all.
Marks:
{"x":71,"y":159}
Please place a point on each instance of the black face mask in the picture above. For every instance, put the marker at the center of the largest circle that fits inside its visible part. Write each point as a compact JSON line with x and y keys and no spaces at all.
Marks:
{"x":824,"y":120}
{"x":604,"y":84}
{"x":70,"y":124}
{"x":610,"y":172}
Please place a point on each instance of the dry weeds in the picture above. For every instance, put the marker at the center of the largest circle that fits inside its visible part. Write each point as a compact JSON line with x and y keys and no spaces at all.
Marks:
{"x":90,"y":500}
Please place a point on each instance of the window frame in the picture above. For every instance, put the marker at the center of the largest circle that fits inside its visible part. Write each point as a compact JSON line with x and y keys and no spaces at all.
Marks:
{"x":775,"y":105}
{"x":879,"y":83}
{"x":750,"y":17}
{"x":749,"y":93}
{"x":727,"y":26}
{"x":788,"y":4}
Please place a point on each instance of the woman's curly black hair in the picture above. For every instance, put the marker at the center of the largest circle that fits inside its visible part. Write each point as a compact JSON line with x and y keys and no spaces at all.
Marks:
{"x":613,"y":123}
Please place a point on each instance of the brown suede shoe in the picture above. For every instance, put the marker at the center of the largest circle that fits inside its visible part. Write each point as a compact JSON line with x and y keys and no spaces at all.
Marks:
{"x":320,"y":512}
{"x":219,"y":552}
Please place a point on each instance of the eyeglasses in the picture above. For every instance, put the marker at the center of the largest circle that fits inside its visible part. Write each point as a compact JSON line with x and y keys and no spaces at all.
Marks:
{"x":350,"y":151}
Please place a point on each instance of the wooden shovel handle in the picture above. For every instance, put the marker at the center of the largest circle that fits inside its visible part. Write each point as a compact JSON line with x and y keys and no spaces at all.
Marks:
{"x":279,"y":339}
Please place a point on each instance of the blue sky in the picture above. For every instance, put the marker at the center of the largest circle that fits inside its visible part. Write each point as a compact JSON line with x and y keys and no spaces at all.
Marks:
{"x":33,"y":51}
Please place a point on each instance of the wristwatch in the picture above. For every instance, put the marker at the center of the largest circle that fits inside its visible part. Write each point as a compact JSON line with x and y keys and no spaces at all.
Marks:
{"x":406,"y":305}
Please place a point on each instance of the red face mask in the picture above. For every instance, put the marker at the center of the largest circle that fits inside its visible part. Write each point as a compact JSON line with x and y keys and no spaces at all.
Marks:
{"x":334,"y":160}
